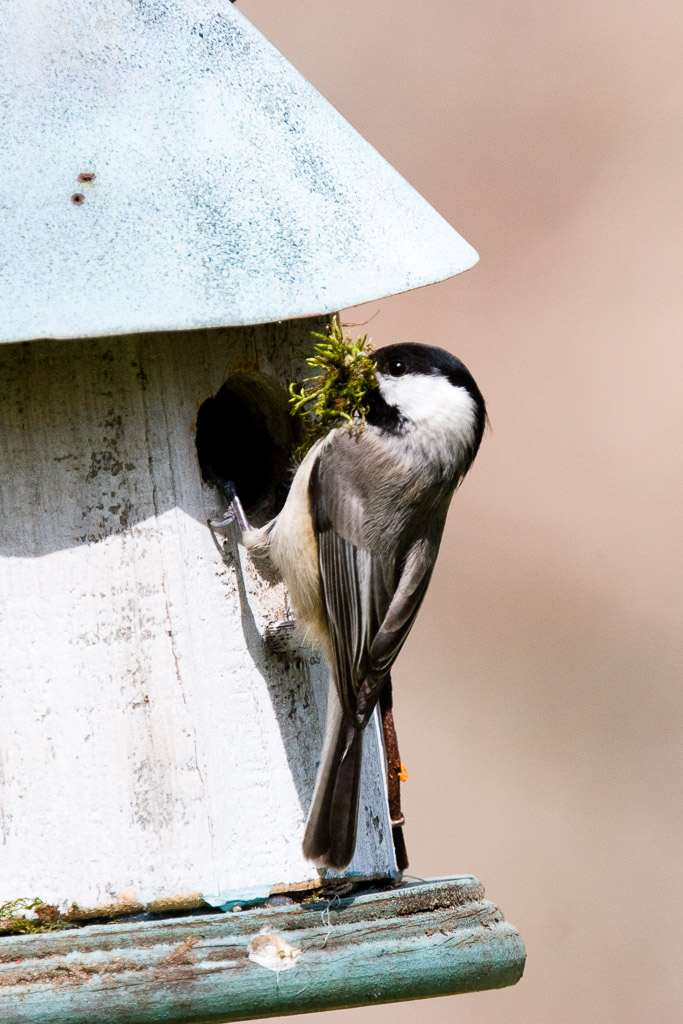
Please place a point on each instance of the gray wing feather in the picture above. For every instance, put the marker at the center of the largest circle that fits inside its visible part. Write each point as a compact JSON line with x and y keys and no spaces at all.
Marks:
{"x":351,"y":618}
{"x":370,"y":605}
{"x":395,"y":627}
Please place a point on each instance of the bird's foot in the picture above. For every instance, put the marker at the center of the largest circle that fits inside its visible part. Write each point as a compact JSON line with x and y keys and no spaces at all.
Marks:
{"x":235,"y":512}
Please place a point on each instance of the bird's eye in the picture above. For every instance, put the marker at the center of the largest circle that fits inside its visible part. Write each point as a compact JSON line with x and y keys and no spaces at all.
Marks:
{"x":397,"y":368}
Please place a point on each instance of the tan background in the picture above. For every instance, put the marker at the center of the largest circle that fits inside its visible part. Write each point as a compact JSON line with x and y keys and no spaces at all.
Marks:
{"x":539,"y":697}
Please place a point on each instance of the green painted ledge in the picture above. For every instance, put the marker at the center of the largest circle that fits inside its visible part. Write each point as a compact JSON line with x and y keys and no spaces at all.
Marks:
{"x":416,"y":940}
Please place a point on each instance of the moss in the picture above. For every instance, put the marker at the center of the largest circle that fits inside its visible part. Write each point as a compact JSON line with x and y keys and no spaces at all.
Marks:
{"x":45,"y":918}
{"x":340,"y":391}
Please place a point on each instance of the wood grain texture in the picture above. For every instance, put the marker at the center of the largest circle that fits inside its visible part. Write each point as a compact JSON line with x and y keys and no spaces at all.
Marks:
{"x":426,"y":939}
{"x":151,"y":748}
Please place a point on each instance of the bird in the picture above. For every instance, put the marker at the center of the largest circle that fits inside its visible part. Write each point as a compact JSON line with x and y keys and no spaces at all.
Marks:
{"x":356,"y":542}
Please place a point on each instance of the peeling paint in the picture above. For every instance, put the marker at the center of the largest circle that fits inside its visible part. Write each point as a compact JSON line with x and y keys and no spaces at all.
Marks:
{"x":246,"y":896}
{"x":182,"y":954}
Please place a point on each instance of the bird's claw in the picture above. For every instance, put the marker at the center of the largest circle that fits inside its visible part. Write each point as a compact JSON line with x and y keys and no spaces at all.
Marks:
{"x":227,"y":520}
{"x":235,"y":512}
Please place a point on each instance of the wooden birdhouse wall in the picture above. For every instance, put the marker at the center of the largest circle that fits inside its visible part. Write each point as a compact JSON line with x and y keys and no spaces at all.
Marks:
{"x":154,"y":750}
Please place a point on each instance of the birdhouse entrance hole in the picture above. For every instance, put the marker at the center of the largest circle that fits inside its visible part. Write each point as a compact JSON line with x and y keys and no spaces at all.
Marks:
{"x":245,"y":434}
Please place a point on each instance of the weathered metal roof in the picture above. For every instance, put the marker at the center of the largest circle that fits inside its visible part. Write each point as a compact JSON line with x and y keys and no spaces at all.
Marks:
{"x":162,"y":166}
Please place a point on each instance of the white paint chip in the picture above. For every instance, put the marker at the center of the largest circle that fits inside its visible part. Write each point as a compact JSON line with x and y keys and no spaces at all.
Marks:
{"x":271,"y":950}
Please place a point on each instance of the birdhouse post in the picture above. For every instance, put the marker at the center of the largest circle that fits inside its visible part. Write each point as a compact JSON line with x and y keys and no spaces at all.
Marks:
{"x":180,"y":209}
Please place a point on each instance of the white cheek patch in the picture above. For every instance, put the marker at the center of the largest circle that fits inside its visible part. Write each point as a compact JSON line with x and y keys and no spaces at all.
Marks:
{"x":433,"y":402}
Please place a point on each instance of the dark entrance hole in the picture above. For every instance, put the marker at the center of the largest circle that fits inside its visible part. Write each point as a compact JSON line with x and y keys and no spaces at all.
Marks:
{"x":244,"y":434}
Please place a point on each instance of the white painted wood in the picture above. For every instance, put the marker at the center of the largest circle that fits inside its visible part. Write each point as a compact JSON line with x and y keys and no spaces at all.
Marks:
{"x":226,"y":190}
{"x":150,"y":749}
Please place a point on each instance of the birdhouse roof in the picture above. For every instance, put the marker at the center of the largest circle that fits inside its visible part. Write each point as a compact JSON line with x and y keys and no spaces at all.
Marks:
{"x":164,"y":167}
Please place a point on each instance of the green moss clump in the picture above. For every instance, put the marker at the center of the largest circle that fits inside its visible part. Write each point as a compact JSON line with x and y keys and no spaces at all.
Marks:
{"x":46,"y":917}
{"x":341,"y":389}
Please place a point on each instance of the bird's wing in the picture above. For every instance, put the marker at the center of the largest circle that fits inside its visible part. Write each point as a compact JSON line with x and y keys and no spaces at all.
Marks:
{"x":370,"y":605}
{"x":396,"y":624}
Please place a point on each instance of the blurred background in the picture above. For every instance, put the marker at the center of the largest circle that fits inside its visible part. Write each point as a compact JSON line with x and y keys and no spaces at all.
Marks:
{"x":539,"y":697}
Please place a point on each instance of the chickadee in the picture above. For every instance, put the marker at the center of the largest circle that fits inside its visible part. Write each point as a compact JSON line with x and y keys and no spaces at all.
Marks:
{"x":356,"y":543}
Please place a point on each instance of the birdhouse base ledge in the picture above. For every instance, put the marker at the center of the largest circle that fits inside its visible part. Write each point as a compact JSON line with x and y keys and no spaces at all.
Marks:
{"x":410,"y":941}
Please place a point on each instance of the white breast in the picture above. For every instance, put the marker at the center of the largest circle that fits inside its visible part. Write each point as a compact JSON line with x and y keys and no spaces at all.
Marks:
{"x":290,"y":543}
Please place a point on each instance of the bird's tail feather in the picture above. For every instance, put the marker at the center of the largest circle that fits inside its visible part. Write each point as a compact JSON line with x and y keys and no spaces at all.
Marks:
{"x":330,"y":836}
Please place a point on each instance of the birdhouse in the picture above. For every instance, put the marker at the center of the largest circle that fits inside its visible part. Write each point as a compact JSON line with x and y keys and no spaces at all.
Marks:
{"x":180,"y":210}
